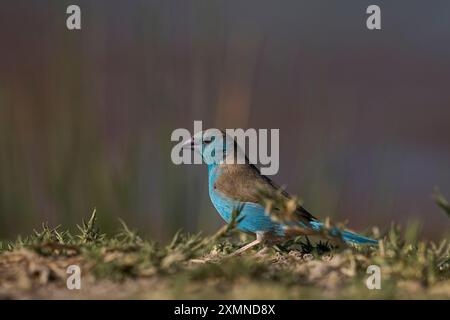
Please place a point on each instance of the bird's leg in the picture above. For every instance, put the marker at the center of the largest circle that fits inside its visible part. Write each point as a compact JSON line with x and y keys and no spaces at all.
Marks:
{"x":245,"y":248}
{"x":259,"y":239}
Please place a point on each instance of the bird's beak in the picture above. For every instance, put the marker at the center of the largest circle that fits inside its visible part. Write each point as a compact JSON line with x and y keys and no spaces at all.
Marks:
{"x":189,"y":144}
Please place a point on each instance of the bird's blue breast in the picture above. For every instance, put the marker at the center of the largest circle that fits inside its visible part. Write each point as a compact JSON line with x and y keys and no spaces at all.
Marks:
{"x":253,"y":215}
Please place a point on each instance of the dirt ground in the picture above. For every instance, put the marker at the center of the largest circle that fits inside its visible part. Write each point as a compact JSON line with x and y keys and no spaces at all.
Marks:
{"x":25,"y":274}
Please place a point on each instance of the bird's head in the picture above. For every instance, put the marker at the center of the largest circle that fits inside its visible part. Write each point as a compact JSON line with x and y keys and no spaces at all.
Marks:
{"x":212,"y":144}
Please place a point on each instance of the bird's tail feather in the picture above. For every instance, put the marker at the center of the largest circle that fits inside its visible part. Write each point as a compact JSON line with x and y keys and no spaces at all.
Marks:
{"x":357,"y":238}
{"x":347,"y":236}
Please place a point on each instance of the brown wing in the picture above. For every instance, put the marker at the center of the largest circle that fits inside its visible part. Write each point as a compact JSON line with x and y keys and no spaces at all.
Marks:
{"x":244,"y":183}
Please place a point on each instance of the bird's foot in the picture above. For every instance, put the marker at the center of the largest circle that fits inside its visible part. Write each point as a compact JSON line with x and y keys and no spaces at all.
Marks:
{"x":245,"y":248}
{"x":199,"y":261}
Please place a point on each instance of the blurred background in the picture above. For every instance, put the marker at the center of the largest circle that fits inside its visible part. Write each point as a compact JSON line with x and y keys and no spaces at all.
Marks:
{"x":86,"y":116}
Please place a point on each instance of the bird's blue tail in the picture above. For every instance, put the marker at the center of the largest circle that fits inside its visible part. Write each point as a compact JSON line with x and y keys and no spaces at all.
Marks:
{"x":357,"y":238}
{"x":347,"y":236}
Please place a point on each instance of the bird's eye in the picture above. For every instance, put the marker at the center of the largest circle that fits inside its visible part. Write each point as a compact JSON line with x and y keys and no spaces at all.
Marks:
{"x":208,"y":140}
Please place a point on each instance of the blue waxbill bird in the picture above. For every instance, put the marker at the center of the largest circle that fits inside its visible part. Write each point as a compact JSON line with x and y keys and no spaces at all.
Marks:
{"x":233,"y":185}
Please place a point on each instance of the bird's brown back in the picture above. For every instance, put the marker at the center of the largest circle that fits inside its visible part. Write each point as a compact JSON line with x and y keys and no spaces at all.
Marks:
{"x":244,"y":183}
